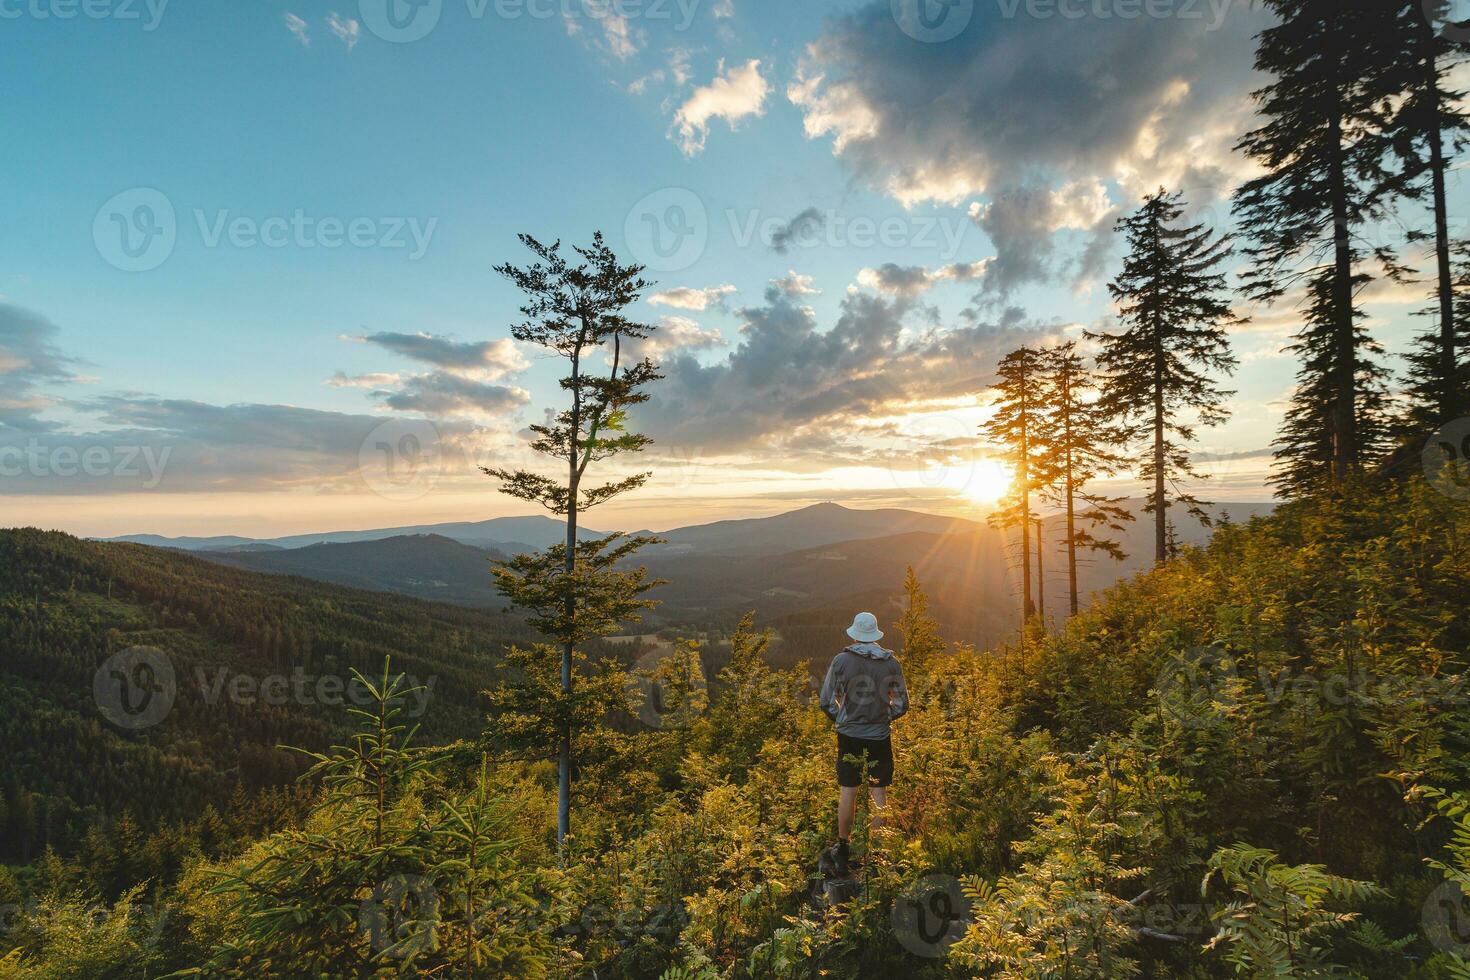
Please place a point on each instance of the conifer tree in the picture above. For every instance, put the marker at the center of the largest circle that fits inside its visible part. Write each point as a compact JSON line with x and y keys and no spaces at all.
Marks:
{"x":1158,"y":374}
{"x":1022,"y":431}
{"x":1434,"y":396}
{"x":576,"y":590}
{"x":918,"y":632}
{"x":1324,"y":149}
{"x":1429,"y":131}
{"x":1305,"y":445}
{"x":1085,"y":447}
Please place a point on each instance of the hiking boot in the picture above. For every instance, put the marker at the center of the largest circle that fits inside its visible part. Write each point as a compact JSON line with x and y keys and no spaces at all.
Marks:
{"x":841,"y":857}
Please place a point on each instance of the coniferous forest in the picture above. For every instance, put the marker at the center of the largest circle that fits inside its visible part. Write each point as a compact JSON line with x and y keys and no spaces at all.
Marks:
{"x":1251,"y":760}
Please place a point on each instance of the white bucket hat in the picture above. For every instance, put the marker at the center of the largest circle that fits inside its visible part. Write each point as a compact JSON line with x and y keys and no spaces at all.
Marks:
{"x":865,"y":629}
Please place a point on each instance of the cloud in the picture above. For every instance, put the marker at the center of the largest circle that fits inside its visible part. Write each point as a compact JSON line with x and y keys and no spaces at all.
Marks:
{"x":346,"y":30}
{"x":1022,"y":223}
{"x":378,"y":380}
{"x":677,"y":72}
{"x":619,"y":40}
{"x":731,"y":96}
{"x":723,"y":9}
{"x":463,"y":385}
{"x":488,"y":359}
{"x":618,"y":37}
{"x":142,"y":443}
{"x":1037,"y":115}
{"x":298,"y":28}
{"x":28,"y":358}
{"x":688,"y":298}
{"x":912,"y":280}
{"x":795,"y":284}
{"x":135,"y":442}
{"x":441,"y":393}
{"x":799,"y":229}
{"x":674,"y":333}
{"x":1141,"y":100}
{"x":806,"y":393}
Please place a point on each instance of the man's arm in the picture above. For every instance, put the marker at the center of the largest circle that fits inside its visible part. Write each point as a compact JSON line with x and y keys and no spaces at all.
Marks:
{"x":831,"y":690}
{"x":898,"y":695}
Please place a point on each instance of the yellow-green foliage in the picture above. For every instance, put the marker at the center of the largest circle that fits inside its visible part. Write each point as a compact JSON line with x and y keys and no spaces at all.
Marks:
{"x":1275,"y":717}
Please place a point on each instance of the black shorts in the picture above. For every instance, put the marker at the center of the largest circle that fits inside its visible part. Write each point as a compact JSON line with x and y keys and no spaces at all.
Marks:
{"x":879,"y":755}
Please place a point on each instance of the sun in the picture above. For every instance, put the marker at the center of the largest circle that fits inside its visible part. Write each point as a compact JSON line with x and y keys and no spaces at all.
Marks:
{"x":989,"y":481}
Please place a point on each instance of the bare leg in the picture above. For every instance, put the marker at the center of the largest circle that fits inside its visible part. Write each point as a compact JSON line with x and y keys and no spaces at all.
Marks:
{"x":846,"y":807}
{"x":880,"y":803}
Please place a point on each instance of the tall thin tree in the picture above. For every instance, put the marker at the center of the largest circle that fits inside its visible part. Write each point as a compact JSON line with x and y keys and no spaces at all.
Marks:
{"x":1429,"y":130}
{"x":1323,"y":148}
{"x":579,"y":589}
{"x":1021,"y":430}
{"x":1159,"y":373}
{"x":1084,"y":446}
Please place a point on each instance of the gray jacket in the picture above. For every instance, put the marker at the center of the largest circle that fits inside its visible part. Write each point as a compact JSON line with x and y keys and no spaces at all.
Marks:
{"x":864,"y":691}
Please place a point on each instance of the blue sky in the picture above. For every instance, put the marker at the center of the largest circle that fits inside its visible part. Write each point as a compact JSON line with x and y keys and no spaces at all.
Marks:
{"x":952,"y":196}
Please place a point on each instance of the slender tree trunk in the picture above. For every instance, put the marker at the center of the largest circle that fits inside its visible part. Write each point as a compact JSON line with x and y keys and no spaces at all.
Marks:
{"x":1345,"y":368}
{"x":1161,"y":505}
{"x":1071,"y":491}
{"x":1028,"y":608}
{"x":1040,"y":572}
{"x":1448,"y":395}
{"x":564,"y":754}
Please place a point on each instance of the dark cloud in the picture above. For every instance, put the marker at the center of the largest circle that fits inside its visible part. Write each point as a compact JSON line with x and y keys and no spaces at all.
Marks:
{"x":911,"y":280}
{"x":29,"y":358}
{"x":492,"y":357}
{"x":442,"y":393}
{"x":1023,"y":222}
{"x":802,"y":228}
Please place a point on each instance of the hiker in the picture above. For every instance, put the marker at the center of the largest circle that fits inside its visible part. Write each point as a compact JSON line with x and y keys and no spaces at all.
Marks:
{"x":863,"y":693}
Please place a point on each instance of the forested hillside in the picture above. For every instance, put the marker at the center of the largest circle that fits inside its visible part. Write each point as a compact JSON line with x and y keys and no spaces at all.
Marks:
{"x":255,"y":660}
{"x":1253,"y":757}
{"x":425,"y":566}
